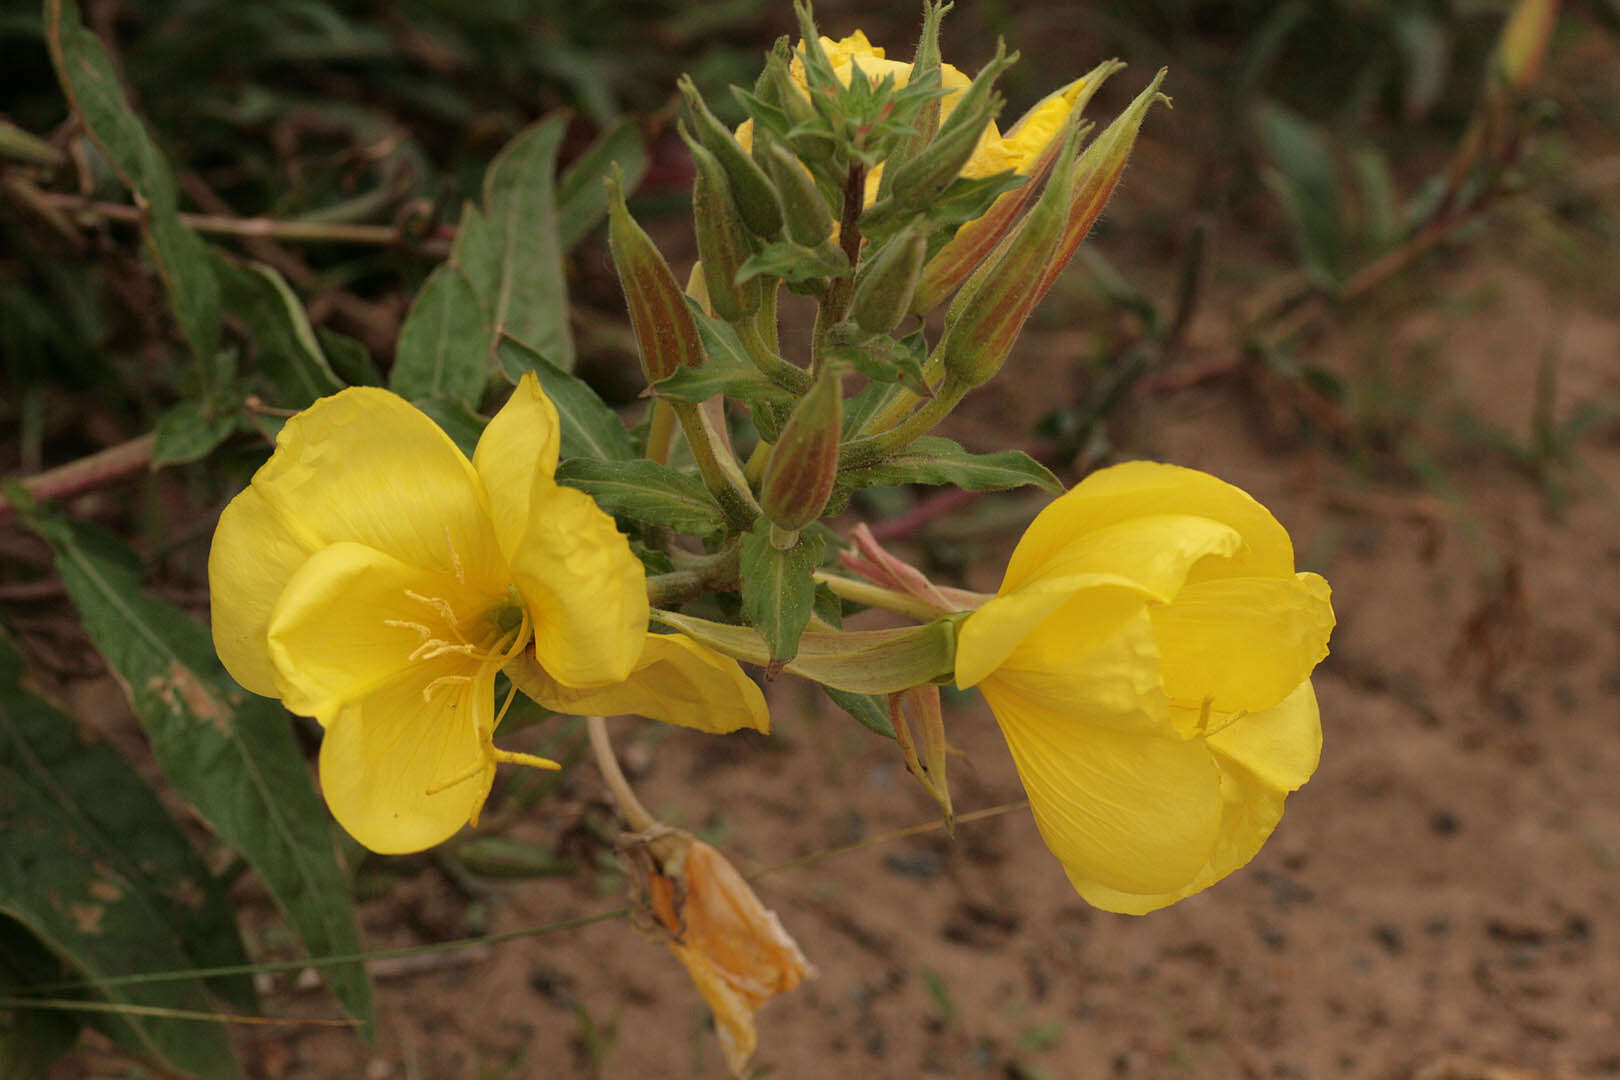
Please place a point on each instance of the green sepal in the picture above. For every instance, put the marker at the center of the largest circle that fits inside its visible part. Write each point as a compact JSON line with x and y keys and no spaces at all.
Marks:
{"x":860,"y":661}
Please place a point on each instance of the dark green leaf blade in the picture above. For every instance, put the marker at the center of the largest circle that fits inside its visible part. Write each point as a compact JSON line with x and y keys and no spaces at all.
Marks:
{"x":288,"y":351}
{"x":933,"y":460}
{"x":94,"y":867}
{"x":589,"y":428}
{"x":90,"y":79}
{"x":30,"y":1039}
{"x":778,"y":591}
{"x":867,"y":709}
{"x":192,"y":429}
{"x":646,"y":491}
{"x":228,"y":753}
{"x":530,"y":302}
{"x":442,"y":351}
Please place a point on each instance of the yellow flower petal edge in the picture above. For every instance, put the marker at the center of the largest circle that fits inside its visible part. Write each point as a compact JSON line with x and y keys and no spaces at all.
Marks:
{"x":374,"y":578}
{"x":675,"y":680}
{"x":1148,"y":659}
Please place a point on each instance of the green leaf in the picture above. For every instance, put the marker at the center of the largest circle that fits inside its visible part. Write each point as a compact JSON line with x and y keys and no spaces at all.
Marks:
{"x":288,"y":352}
{"x":1306,"y":180}
{"x":530,"y":302}
{"x":795,"y":264}
{"x":646,"y":491}
{"x":869,"y":710}
{"x":30,"y":1039}
{"x":778,"y":592}
{"x":90,"y":79}
{"x":191,"y":430}
{"x":933,"y":460}
{"x":589,"y":428}
{"x":581,"y":196}
{"x":458,"y":420}
{"x":442,"y":351}
{"x":880,"y":357}
{"x":349,"y":359}
{"x":477,"y":254}
{"x":94,"y":867}
{"x":726,"y":370}
{"x":230,"y":754}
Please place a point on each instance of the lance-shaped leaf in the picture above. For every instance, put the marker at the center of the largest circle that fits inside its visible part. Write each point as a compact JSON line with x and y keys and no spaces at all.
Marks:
{"x":589,"y":428}
{"x":646,"y":491}
{"x":94,"y":867}
{"x":933,"y":460}
{"x":228,"y":753}
{"x":90,"y":80}
{"x":287,"y":349}
{"x":778,"y":592}
{"x":190,"y":430}
{"x":442,"y":351}
{"x":869,"y":710}
{"x":529,"y":301}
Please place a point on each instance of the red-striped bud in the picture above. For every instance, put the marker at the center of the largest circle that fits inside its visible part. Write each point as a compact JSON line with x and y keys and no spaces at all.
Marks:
{"x":803,"y":464}
{"x":666,"y":333}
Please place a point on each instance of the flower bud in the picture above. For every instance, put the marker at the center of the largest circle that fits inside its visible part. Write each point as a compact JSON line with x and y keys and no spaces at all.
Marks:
{"x":809,"y":219}
{"x":987,"y":315}
{"x":925,"y":68}
{"x":885,"y":284}
{"x":976,"y":239}
{"x":803,"y":465}
{"x":920,"y":180}
{"x":666,"y":333}
{"x":722,"y":244}
{"x":1096,"y":176}
{"x":751,"y":189}
{"x":1523,"y":44}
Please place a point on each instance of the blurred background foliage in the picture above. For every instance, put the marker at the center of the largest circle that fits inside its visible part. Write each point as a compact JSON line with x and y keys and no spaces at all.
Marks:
{"x":1318,"y":150}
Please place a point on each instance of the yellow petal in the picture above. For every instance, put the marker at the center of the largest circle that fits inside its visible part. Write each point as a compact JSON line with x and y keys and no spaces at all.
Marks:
{"x":382,"y":755}
{"x":363,"y":465}
{"x":1142,"y":489}
{"x":352,"y":619}
{"x":1246,"y":643}
{"x":733,"y":1016}
{"x":1133,"y":813}
{"x":1262,"y":758}
{"x":585,"y":591}
{"x":676,"y":680}
{"x":253,"y":556}
{"x":1088,"y":585}
{"x":1057,"y":679}
{"x":1156,"y":551}
{"x":517,"y":450}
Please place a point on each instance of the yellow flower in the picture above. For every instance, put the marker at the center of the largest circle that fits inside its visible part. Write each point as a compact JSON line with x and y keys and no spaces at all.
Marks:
{"x":1148,"y":657}
{"x":1019,"y":149}
{"x":375,"y":579}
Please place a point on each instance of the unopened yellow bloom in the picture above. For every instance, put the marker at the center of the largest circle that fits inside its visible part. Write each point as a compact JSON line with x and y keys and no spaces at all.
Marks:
{"x":375,"y":579}
{"x":1148,"y":657}
{"x":1019,"y":149}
